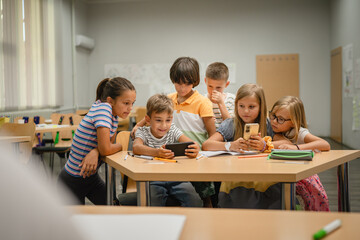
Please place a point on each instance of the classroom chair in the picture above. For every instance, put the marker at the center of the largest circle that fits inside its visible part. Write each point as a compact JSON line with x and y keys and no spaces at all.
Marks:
{"x":123,"y":124}
{"x":15,"y":129}
{"x":62,"y":140}
{"x":140,"y":113}
{"x":82,"y":112}
{"x":38,"y":140}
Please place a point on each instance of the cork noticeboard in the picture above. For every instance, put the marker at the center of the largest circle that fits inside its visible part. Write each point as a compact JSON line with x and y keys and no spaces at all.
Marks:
{"x":278,"y":75}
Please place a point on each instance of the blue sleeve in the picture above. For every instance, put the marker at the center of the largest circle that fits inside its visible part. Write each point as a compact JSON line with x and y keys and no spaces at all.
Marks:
{"x":226,"y":129}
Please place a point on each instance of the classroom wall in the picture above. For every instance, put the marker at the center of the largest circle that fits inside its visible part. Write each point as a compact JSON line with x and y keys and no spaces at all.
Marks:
{"x":82,"y":55}
{"x":65,"y":42}
{"x":345,"y":19}
{"x":145,"y":32}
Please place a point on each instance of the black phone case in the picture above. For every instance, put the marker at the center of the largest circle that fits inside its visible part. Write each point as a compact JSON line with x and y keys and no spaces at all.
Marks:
{"x":178,"y":148}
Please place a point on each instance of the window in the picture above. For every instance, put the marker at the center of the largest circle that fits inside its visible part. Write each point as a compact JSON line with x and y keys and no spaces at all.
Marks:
{"x":27,"y":55}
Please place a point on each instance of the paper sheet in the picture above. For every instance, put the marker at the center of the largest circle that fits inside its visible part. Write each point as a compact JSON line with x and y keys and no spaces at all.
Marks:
{"x":216,"y":153}
{"x":347,"y":65}
{"x":129,"y":226}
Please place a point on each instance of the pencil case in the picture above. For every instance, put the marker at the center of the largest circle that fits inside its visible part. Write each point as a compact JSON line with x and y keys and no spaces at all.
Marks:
{"x":283,"y":154}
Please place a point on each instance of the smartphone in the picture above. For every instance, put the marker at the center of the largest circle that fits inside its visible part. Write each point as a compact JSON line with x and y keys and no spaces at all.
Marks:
{"x":178,"y":148}
{"x":250,"y":129}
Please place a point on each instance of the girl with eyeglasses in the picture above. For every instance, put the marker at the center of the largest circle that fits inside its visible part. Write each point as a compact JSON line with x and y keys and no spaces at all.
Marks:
{"x":288,"y":122}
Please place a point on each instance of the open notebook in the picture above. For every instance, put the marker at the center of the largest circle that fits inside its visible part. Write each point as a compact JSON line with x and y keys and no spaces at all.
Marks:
{"x":217,"y":153}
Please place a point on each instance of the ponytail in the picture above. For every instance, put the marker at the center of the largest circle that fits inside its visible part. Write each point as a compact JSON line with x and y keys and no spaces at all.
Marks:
{"x":100,"y":88}
{"x":113,"y":87}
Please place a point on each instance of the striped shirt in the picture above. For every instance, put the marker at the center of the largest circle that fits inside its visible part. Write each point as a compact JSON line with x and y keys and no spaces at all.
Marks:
{"x":188,"y":115}
{"x":229,"y":104}
{"x":172,"y":136}
{"x":85,"y":139}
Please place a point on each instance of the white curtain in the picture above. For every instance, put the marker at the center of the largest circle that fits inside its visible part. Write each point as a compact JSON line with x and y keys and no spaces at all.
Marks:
{"x":28,"y":64}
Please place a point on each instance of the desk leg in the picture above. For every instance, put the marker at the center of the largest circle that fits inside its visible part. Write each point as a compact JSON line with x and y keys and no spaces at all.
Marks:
{"x":109,"y":174}
{"x":343,"y":188}
{"x":143,"y":193}
{"x":288,"y":197}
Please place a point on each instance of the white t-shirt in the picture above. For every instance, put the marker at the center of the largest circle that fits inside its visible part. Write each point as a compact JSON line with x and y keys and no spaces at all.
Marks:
{"x":301,"y":136}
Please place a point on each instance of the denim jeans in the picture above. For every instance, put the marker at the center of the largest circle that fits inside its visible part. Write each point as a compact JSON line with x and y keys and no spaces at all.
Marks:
{"x":184,"y":192}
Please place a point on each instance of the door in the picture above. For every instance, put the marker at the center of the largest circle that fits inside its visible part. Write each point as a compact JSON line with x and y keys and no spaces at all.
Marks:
{"x":336,"y":95}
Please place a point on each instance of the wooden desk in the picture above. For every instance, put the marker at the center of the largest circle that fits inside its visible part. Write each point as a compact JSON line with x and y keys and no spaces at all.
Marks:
{"x":15,"y":139}
{"x":20,"y":144}
{"x":57,"y":128}
{"x":232,"y":168}
{"x":221,"y":224}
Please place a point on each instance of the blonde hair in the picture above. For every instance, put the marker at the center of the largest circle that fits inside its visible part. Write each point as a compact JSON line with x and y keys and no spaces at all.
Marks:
{"x":159,"y":103}
{"x":247,"y":90}
{"x":296,"y":110}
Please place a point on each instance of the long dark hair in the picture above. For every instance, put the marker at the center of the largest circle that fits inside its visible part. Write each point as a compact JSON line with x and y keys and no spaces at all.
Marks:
{"x":112,"y":87}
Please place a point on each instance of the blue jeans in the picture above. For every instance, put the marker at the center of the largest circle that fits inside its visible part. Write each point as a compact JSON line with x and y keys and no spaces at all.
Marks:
{"x":184,"y":192}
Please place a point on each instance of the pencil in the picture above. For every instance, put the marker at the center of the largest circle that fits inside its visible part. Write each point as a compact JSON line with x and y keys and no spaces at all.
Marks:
{"x":165,"y":160}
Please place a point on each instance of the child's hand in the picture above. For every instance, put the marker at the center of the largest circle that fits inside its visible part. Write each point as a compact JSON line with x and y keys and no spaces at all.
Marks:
{"x":256,"y":142}
{"x":165,"y":153}
{"x":193,"y":150}
{"x":89,"y":164}
{"x":239,"y":145}
{"x":217,"y":97}
{"x":132,"y":134}
{"x":288,"y":146}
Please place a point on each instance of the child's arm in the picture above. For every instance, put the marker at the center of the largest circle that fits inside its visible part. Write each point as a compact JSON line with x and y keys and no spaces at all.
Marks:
{"x":139,"y":124}
{"x":209,"y":125}
{"x":257,"y":143}
{"x":216,"y":143}
{"x":218,"y":98}
{"x":139,"y":148}
{"x":193,"y":149}
{"x":89,"y":163}
{"x":105,"y":145}
{"x":279,"y":140}
{"x":313,"y":142}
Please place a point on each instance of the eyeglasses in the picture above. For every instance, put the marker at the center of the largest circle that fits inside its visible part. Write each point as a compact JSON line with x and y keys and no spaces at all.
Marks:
{"x":280,"y":120}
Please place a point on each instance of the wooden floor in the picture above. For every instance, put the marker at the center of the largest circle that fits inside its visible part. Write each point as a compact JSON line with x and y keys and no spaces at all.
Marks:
{"x":329,"y":180}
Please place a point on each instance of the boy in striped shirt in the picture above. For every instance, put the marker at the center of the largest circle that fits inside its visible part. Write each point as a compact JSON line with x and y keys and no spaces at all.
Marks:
{"x":216,"y":81}
{"x":150,"y":140}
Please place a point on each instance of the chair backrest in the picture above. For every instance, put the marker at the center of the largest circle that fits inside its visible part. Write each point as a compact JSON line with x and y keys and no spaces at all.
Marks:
{"x":31,"y":120}
{"x":65,"y":137}
{"x":82,"y":112}
{"x":140,"y":114}
{"x":15,"y":129}
{"x":123,"y":138}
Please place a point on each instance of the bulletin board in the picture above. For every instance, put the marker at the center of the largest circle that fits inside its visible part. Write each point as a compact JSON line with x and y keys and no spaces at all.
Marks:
{"x":278,"y":75}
